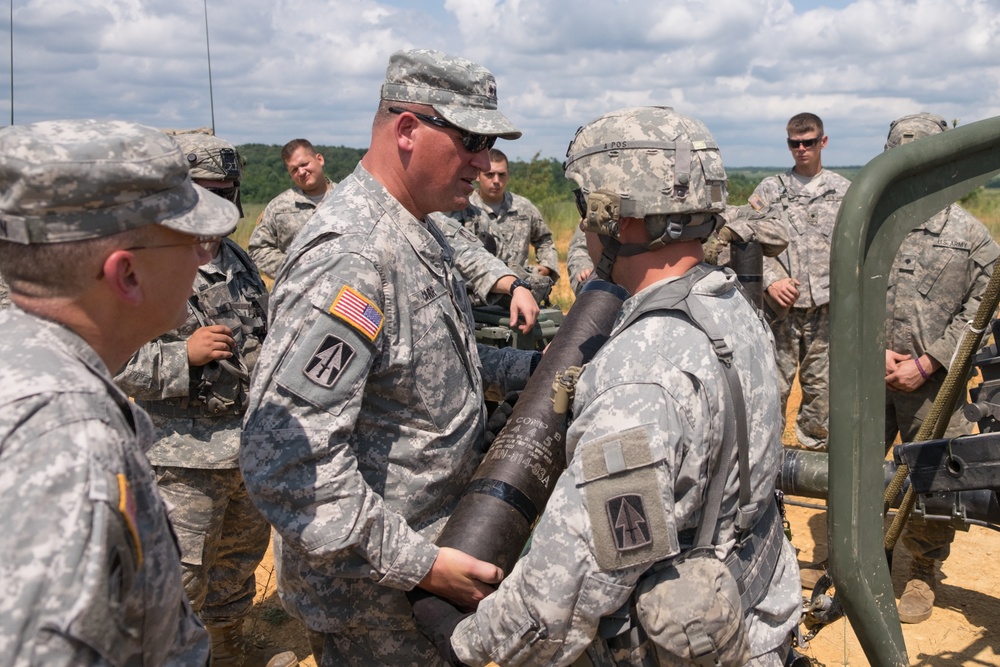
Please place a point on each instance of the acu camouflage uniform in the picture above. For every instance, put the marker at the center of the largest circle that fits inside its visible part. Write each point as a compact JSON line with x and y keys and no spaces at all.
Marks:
{"x":657,"y":392}
{"x":935,"y":288}
{"x":89,"y":567}
{"x":198,"y":413}
{"x":366,"y":419}
{"x":517,"y":225}
{"x":277,"y":226}
{"x":802,"y":337}
{"x":4,"y":294}
{"x":577,"y":259}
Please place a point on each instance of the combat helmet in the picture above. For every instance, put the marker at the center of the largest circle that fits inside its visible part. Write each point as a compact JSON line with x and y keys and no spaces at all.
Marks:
{"x":915,"y":126}
{"x":651,"y":163}
{"x":210,"y":158}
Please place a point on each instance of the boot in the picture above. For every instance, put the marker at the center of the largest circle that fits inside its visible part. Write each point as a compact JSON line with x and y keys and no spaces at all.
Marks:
{"x":225,"y":649}
{"x":917,"y":601}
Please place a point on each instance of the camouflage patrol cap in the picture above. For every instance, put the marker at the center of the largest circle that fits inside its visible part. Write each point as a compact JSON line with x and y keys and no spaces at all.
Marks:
{"x":652,"y":163}
{"x":915,"y":126}
{"x":72,"y":180}
{"x":210,"y":157}
{"x":460,"y":91}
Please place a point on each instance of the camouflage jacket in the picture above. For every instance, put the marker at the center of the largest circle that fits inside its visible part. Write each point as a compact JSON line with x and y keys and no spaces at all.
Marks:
{"x":4,"y":294}
{"x":517,"y":227}
{"x":811,"y":210}
{"x":656,"y":392}
{"x":577,"y":258}
{"x":366,"y":411}
{"x":277,"y":226}
{"x":198,"y":410}
{"x":90,"y":570}
{"x":476,"y":266}
{"x":936,"y":284}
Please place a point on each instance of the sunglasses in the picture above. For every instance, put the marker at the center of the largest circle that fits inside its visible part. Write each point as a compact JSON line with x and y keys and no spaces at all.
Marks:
{"x":229,"y":194}
{"x":474,"y":143}
{"x":804,"y":143}
{"x":581,"y":202}
{"x":206,"y":243}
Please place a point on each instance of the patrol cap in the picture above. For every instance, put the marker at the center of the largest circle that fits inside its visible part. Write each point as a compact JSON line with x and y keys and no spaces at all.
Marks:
{"x":915,"y":126}
{"x":210,"y":157}
{"x":72,"y":180}
{"x":461,"y":92}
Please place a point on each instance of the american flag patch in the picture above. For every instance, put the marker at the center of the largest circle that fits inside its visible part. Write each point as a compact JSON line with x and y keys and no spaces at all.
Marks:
{"x":352,"y":307}
{"x":126,"y":505}
{"x":756,"y":202}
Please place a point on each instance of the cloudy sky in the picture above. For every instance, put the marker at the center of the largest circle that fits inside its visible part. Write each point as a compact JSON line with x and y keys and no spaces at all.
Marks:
{"x":287,"y":68}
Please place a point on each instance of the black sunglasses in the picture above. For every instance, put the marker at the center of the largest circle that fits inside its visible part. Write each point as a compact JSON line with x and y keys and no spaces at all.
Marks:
{"x":474,"y":143}
{"x":805,"y":143}
{"x":581,"y":202}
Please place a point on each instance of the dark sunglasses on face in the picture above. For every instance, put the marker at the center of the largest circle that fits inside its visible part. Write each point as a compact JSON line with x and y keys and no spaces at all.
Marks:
{"x":474,"y":143}
{"x":229,"y":194}
{"x":805,"y":143}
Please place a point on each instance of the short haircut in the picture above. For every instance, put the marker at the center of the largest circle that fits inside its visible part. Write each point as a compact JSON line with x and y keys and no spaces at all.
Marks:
{"x":294,"y":145}
{"x":49,"y":270}
{"x":497,"y":155}
{"x":801,"y":123}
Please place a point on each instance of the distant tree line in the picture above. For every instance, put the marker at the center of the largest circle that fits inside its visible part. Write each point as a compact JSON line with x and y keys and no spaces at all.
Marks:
{"x":541,"y":179}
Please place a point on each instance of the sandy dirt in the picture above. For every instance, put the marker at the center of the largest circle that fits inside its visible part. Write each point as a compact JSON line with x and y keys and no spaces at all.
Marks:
{"x":963,"y":630}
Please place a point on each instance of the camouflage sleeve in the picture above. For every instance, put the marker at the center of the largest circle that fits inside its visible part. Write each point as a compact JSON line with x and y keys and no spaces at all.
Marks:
{"x":159,"y":369}
{"x":548,"y":609}
{"x":478,"y":267}
{"x":765,"y":206}
{"x":504,"y":369}
{"x":263,"y":247}
{"x":981,"y":262}
{"x":545,"y":247}
{"x":767,"y":229}
{"x":299,"y":451}
{"x":577,"y":257}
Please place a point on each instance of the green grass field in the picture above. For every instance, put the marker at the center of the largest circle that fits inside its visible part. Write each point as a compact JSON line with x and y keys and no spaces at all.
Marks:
{"x":563,"y":218}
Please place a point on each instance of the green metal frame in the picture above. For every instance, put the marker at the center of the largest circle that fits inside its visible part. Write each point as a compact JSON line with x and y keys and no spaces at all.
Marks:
{"x":891,"y":195}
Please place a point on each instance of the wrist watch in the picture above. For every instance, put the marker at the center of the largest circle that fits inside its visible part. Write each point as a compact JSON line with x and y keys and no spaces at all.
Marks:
{"x":519,"y":282}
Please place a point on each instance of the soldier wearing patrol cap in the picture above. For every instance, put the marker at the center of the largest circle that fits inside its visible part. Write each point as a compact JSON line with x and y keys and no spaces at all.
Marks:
{"x":935,"y":288}
{"x":367,"y":410}
{"x":101,"y":234}
{"x":193,"y":380}
{"x":653,"y":529}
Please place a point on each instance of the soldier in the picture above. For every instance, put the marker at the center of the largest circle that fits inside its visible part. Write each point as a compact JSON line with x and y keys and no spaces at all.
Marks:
{"x":797,"y":282}
{"x":650,"y":414}
{"x":101,"y":234}
{"x":935,"y":287}
{"x":284,"y":215}
{"x":193,"y":380}
{"x":512,"y":222}
{"x":367,"y":410}
{"x":578,"y":262}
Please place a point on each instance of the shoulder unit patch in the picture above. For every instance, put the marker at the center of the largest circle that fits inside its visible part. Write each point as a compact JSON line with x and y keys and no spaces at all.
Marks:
{"x":330,"y":357}
{"x":629,"y":526}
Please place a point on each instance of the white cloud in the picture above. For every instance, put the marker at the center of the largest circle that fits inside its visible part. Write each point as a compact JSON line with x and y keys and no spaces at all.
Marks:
{"x":286,"y":68}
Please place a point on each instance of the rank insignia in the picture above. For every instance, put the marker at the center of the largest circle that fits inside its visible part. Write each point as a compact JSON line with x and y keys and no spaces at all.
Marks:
{"x":355,"y":309}
{"x":629,"y":526}
{"x":126,"y":505}
{"x":328,"y":360}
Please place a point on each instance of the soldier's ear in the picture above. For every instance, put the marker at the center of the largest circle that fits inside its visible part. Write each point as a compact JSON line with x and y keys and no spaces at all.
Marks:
{"x":120,"y":274}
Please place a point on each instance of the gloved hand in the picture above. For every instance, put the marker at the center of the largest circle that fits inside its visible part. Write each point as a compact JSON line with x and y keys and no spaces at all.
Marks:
{"x":715,"y":243}
{"x":498,"y":419}
{"x":436,"y":619}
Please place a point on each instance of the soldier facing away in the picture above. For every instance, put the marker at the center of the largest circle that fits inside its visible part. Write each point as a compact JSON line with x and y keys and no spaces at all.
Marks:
{"x":101,"y":234}
{"x":623,"y":546}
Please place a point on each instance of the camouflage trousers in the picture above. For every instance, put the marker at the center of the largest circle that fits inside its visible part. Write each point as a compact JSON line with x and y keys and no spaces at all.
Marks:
{"x":222,"y":538}
{"x":802,"y":344}
{"x":904,"y":415}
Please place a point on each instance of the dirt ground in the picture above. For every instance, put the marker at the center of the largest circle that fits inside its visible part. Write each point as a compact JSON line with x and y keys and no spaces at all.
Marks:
{"x":963,"y":630}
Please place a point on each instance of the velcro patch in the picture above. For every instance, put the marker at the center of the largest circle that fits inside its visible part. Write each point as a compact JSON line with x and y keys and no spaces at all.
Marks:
{"x":126,"y":505}
{"x":329,"y":359}
{"x":629,"y":526}
{"x":756,"y":202}
{"x":357,"y":310}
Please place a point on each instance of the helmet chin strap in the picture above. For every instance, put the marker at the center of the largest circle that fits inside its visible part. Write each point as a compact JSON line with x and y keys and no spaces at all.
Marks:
{"x":613,"y":248}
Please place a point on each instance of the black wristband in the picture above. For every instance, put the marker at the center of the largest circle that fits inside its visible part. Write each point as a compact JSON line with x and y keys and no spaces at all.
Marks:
{"x":518,"y":282}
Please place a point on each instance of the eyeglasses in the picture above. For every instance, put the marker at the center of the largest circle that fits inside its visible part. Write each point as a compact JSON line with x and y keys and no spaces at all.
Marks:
{"x":805,"y":143}
{"x":474,"y":143}
{"x":581,"y":202}
{"x":206,"y":243}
